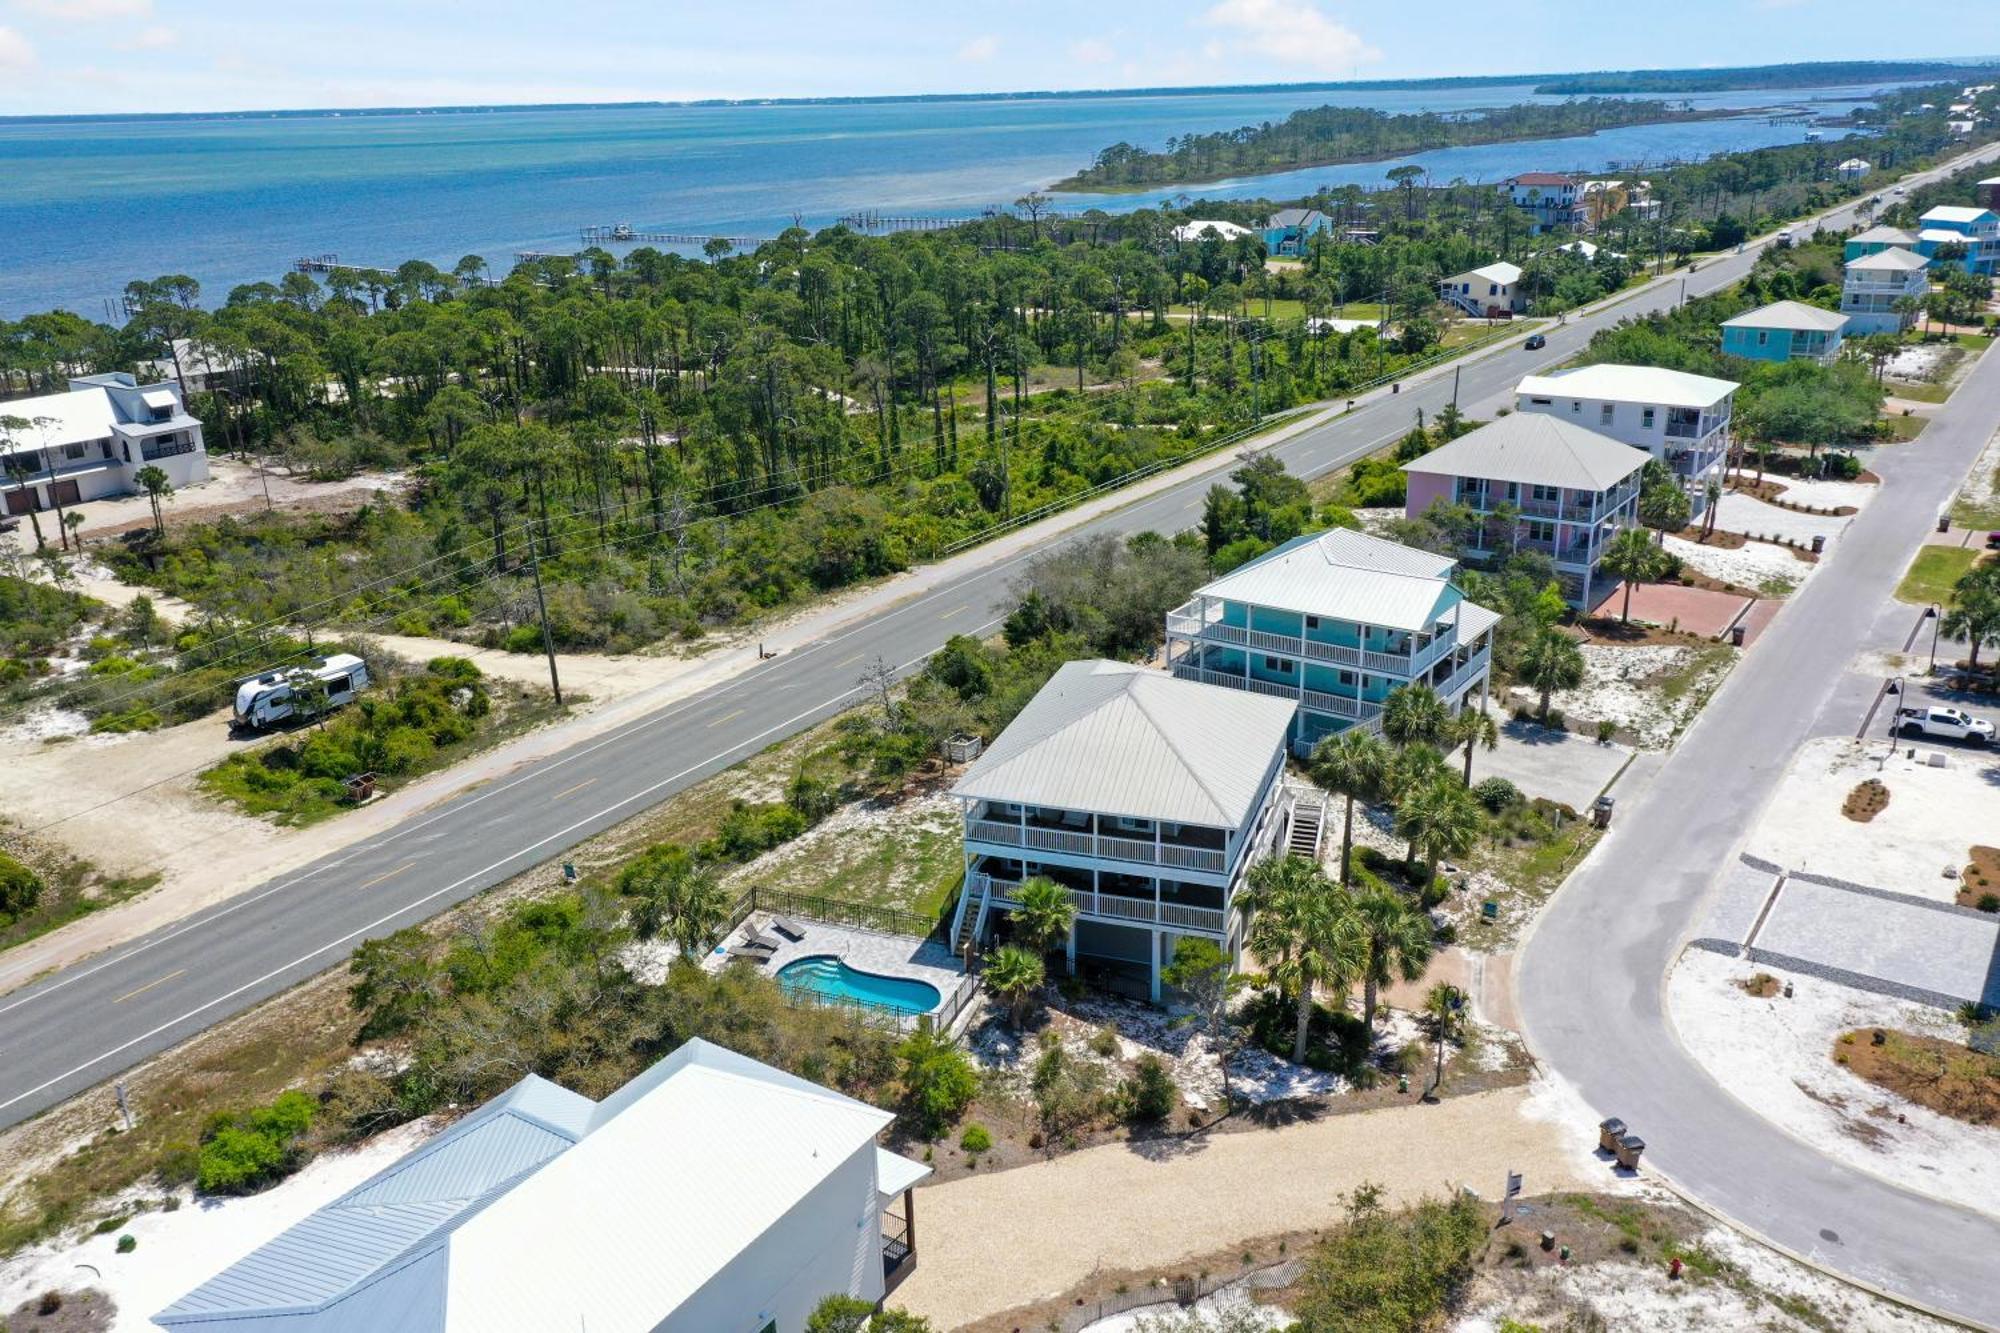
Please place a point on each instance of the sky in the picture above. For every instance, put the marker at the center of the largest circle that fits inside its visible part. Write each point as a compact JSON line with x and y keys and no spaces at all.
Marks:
{"x":95,"y":56}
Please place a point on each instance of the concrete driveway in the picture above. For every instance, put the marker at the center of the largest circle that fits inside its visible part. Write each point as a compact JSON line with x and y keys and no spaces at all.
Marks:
{"x":1559,"y":765}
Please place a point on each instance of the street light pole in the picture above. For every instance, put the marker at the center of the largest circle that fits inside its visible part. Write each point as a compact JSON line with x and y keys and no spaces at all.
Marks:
{"x":1932,"y":613}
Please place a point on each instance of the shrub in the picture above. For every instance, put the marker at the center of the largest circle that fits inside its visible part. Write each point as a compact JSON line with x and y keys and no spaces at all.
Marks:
{"x":1606,"y":731}
{"x":20,"y":887}
{"x":1988,"y":902}
{"x":1151,"y":1093}
{"x":939,"y":1082}
{"x":1555,"y":720}
{"x":1104,"y":1042}
{"x":240,"y":1153}
{"x":976,"y":1138}
{"x":127,"y":1243}
{"x":1496,"y":794}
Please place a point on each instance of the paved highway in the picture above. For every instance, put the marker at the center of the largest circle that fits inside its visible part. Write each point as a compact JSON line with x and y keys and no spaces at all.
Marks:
{"x":87,"y":1022}
{"x":1591,"y":978}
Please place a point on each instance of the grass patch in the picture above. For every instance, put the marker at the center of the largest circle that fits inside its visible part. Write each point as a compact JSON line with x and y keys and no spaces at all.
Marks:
{"x":1763,"y":985}
{"x":1943,"y":1076}
{"x":1866,"y":801}
{"x":1975,"y":343}
{"x":873,"y":852}
{"x":1932,"y":574}
{"x":1902,"y":428}
{"x":1675,"y":684}
{"x":1918,"y":391}
{"x":70,"y":889}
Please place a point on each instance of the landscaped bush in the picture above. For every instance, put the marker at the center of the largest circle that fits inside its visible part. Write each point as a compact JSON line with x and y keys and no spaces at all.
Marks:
{"x":20,"y":889}
{"x":976,"y":1139}
{"x":1150,"y":1094}
{"x":750,"y":830}
{"x":243,"y":1152}
{"x":939,"y":1082}
{"x":1384,"y":1270}
{"x":1336,"y":1041}
{"x":1496,"y":794}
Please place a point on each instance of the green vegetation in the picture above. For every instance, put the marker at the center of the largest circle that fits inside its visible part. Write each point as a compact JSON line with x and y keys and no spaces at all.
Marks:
{"x":1382,"y":1270}
{"x":420,"y":722}
{"x":1931,"y":575}
{"x":1319,"y":136}
{"x":244,"y":1152}
{"x":939,"y":1083}
{"x":42,"y":888}
{"x":1801,"y":74}
{"x":20,"y":890}
{"x":848,"y":1314}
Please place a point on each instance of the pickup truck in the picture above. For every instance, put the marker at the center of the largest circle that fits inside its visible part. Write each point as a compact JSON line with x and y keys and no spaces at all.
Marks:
{"x":1948,"y":723}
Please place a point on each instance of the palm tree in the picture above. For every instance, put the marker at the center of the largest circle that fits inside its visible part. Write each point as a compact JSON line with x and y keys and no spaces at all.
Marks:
{"x":1044,"y":914}
{"x":1440,"y":819}
{"x":1355,"y":765}
{"x":1473,"y":727}
{"x":1400,"y":939}
{"x":1414,"y":715}
{"x":1444,"y":1019}
{"x":1551,"y":661}
{"x":158,"y":488}
{"x":1307,"y":934}
{"x":1014,"y":974}
{"x":1631,"y":557}
{"x":682,"y":900}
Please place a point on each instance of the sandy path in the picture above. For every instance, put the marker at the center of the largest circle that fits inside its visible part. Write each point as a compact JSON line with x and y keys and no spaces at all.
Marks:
{"x":990,"y":1243}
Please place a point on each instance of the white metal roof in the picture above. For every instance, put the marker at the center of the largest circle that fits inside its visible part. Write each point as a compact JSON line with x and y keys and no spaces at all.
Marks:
{"x":1535,"y":449}
{"x":1789,"y":315}
{"x":1474,"y":620}
{"x":76,"y":417}
{"x":1854,"y":164}
{"x":1955,"y":213}
{"x":1346,"y":575}
{"x":1192,"y":229}
{"x":620,"y":1230}
{"x":1123,"y":740}
{"x":1885,"y":235}
{"x":895,"y":1173}
{"x":1629,"y":384}
{"x":1902,"y":261}
{"x":1503,"y":273}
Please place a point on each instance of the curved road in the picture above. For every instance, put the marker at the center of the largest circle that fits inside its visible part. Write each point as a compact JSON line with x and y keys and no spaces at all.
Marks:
{"x":77,"y":1027}
{"x":1590,"y":979}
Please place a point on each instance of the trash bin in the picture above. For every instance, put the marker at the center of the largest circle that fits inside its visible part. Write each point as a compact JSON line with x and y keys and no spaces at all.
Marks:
{"x":1600,"y":811}
{"x":1736,"y":635}
{"x":1819,"y":542}
{"x":1628,"y":1150}
{"x":1608,"y":1134}
{"x":1944,"y":522}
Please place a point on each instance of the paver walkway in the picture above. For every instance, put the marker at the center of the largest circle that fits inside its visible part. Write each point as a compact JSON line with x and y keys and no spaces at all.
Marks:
{"x":1696,"y":610}
{"x":988,"y":1243}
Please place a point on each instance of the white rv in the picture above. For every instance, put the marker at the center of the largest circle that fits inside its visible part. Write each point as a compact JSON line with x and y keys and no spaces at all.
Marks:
{"x":276,"y":695}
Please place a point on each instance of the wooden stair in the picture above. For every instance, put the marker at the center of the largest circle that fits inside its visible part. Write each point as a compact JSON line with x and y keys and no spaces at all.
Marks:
{"x":1308,"y":823}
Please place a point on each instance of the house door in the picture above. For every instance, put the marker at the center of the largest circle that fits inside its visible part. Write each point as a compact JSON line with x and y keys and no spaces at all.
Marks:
{"x":68,"y":493}
{"x":21,"y":500}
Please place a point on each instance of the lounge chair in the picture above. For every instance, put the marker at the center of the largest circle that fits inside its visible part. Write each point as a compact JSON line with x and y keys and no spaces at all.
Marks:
{"x":757,"y":956}
{"x":787,"y":927}
{"x":754,"y":938}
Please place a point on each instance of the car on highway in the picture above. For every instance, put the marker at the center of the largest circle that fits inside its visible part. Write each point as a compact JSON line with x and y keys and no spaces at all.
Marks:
{"x":1536,"y":342}
{"x":1952,"y":724}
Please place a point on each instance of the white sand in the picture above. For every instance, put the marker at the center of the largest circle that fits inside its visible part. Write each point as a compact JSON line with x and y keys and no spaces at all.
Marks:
{"x":1830,"y":494}
{"x":1751,"y":565}
{"x":1933,"y":817}
{"x":1618,"y":685}
{"x":1776,"y":1056}
{"x":1737,"y":512}
{"x":179,"y":1250}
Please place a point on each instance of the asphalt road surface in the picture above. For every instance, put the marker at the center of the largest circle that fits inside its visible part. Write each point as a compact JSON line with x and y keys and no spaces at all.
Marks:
{"x":83,"y":1024}
{"x":1590,"y":979}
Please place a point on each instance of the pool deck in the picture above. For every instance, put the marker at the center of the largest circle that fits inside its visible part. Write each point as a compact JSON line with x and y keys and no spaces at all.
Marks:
{"x":864,"y":950}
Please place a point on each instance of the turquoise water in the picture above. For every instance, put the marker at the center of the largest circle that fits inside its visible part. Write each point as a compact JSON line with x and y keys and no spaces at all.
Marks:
{"x":86,"y":205}
{"x":830,"y":977}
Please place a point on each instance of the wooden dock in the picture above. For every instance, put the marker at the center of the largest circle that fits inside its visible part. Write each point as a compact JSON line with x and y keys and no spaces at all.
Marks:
{"x":624,"y":234}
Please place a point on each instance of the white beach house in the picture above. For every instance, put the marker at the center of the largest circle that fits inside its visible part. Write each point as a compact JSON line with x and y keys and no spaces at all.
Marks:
{"x":1680,"y":419}
{"x":1883,"y":291}
{"x":711,"y":1192}
{"x":1147,"y":797}
{"x":90,"y":442}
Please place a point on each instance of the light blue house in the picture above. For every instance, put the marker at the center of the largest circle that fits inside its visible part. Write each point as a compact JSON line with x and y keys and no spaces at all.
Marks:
{"x":1785,"y":331}
{"x":1334,"y":621}
{"x":1287,"y":231}
{"x":710,"y":1192}
{"x":1877,"y":239}
{"x":1977,"y":229}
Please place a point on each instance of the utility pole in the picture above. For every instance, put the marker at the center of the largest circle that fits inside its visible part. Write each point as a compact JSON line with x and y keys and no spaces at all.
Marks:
{"x":1454,"y":388}
{"x":542,"y":609}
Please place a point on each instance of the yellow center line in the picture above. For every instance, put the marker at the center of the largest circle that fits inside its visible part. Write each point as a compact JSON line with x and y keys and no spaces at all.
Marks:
{"x":567,"y":790}
{"x":179,"y":971}
{"x":388,"y":875}
{"x":726,"y":717}
{"x":955,"y":610}
{"x":849,"y":662}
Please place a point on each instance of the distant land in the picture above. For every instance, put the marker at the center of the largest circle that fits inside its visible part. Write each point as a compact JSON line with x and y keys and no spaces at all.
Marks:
{"x":1829,"y":73}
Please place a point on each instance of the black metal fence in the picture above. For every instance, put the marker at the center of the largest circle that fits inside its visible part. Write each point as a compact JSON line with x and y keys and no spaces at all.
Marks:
{"x":834,"y":911}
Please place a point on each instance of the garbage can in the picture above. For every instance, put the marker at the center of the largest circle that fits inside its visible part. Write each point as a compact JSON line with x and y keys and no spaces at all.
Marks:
{"x":1944,"y":522}
{"x":1600,"y":811}
{"x":1819,"y":542}
{"x":1608,"y":1134}
{"x":1736,"y":635}
{"x":1628,"y":1150}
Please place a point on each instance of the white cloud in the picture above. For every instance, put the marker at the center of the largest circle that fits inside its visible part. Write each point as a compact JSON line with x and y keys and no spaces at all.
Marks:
{"x":1091,"y":51}
{"x":16,"y":56}
{"x":86,"y":11}
{"x":156,"y":38}
{"x":1291,"y":32}
{"x":983,"y":47}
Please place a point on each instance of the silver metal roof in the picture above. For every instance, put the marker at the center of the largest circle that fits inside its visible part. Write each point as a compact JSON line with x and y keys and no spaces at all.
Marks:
{"x":1346,"y":575}
{"x":1630,"y":384}
{"x":1124,"y":740}
{"x":1903,"y":261}
{"x":1535,"y":449}
{"x":1789,"y":315}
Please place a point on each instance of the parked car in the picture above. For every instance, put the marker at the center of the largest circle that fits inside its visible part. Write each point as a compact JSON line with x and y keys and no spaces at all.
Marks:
{"x":1536,"y":342}
{"x":1948,"y":723}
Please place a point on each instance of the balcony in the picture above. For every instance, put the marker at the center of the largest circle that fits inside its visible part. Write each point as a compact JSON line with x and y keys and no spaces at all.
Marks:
{"x":1338,"y":705}
{"x":1104,"y":846}
{"x":1465,"y":675}
{"x":1187,"y":621}
{"x":1114,"y":906}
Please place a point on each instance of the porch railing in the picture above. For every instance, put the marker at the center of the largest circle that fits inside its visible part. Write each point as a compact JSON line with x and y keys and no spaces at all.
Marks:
{"x":1116,"y":906}
{"x":1108,"y":846}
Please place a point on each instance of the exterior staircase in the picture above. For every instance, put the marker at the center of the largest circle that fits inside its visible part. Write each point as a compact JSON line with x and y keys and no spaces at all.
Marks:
{"x":1307,"y":826}
{"x":972,"y":910}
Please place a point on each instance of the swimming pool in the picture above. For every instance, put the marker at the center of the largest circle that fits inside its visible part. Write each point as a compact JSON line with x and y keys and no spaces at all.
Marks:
{"x":828,"y":976}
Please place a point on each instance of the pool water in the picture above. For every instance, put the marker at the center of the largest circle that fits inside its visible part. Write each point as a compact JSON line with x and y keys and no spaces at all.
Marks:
{"x":828,"y":976}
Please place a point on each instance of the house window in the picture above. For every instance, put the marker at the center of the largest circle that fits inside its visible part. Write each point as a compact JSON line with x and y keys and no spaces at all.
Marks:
{"x":1763,"y":337}
{"x":1646,"y":415}
{"x":1347,"y":678}
{"x":1278,"y":664}
{"x":165,"y":446}
{"x":1540,"y":531}
{"x":1575,"y":407}
{"x":1542,"y":402}
{"x":72,"y":451}
{"x":1312,"y":622}
{"x":1548,"y":492}
{"x":1605,"y":413}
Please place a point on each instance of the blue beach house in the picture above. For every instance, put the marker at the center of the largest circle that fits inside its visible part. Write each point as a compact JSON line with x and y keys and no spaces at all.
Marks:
{"x":1977,"y":229}
{"x":1287,"y":231}
{"x":1785,"y":331}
